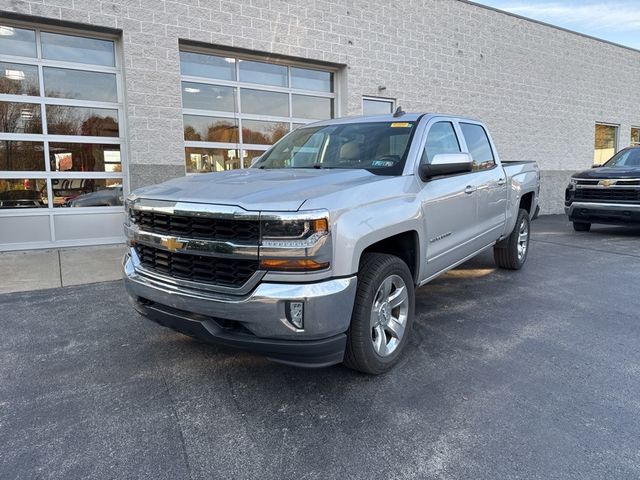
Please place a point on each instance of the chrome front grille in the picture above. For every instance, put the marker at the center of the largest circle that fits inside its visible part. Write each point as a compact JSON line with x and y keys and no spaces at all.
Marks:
{"x":211,"y":247}
{"x":196,"y":226}
{"x":227,"y":272}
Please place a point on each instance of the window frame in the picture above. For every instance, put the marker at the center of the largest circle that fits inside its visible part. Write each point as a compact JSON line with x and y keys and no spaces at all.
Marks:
{"x":42,"y":100}
{"x":371,"y":98}
{"x":631,"y":142}
{"x":616,"y":143}
{"x":292,"y":121}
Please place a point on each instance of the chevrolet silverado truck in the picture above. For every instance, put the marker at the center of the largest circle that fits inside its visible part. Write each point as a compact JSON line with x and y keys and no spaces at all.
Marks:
{"x":312,"y":256}
{"x":608,"y":194}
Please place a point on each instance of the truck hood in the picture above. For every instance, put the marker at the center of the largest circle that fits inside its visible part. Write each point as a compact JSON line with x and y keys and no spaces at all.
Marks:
{"x":255,"y":189}
{"x":608,"y":172}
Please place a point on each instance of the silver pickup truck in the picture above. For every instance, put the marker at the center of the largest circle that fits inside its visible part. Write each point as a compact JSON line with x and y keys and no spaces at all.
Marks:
{"x":312,"y":256}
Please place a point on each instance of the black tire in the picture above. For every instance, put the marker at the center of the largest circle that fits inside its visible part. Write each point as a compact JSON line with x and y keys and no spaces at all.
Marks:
{"x":360,"y":353}
{"x":581,"y":226}
{"x":506,"y":253}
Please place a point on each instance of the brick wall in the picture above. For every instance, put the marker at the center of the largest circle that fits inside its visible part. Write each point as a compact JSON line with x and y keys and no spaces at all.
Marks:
{"x":540,"y":89}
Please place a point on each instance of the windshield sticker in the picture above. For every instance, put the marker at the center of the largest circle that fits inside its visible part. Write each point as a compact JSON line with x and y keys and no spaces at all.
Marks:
{"x":400,"y":125}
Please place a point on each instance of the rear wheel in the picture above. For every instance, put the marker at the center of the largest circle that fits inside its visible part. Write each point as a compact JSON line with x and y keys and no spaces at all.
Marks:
{"x":511,"y":253}
{"x":581,"y":226}
{"x":382,"y":314}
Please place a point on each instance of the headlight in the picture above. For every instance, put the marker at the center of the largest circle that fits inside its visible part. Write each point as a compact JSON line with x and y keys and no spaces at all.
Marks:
{"x":295,"y":242}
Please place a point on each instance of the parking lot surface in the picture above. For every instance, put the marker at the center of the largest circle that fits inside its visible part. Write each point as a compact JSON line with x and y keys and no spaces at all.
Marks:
{"x":532,"y":374}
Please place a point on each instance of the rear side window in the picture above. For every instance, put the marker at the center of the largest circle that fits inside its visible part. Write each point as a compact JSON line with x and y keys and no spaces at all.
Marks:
{"x":440,"y":139}
{"x":479,"y":146}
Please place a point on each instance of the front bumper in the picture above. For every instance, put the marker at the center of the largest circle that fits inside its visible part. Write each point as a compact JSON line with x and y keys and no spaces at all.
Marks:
{"x":608,"y":213}
{"x":256,"y":321}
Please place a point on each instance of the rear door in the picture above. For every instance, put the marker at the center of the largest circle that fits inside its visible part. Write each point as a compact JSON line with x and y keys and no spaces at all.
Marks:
{"x":448,"y":203}
{"x":490,"y":182}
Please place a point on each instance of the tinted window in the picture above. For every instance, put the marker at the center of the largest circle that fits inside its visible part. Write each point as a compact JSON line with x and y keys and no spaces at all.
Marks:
{"x":20,"y":117}
{"x":478,"y":145}
{"x":200,"y":96}
{"x":21,"y":156}
{"x":319,"y":108}
{"x":77,"y":49}
{"x":81,"y":85}
{"x":626,"y":158}
{"x":440,"y":139}
{"x":18,"y":79}
{"x":210,"y":129}
{"x":264,"y":103}
{"x":95,"y":122}
{"x":210,"y":66}
{"x":376,"y":107}
{"x":306,"y":79}
{"x":264,"y":73}
{"x":17,"y":41}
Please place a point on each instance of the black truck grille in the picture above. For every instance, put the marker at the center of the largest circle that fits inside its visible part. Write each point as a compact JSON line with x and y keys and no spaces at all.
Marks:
{"x":226,"y":272}
{"x":607,"y":194}
{"x":197,"y":227}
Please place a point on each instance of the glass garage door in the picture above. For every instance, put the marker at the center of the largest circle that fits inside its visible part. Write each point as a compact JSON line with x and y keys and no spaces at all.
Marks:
{"x":235,"y":108}
{"x":61,"y":129}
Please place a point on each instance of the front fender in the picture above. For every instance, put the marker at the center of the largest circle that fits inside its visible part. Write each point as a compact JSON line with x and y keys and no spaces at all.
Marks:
{"x":358,"y":228}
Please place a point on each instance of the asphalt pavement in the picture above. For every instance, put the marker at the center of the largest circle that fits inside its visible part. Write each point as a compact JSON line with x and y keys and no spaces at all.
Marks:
{"x":531,"y":375}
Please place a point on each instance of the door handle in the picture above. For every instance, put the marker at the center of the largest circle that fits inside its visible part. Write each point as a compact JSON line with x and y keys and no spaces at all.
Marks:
{"x":469,"y":190}
{"x":502,"y":181}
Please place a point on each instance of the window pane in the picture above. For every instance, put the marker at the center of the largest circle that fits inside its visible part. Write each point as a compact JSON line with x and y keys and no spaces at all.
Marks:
{"x":249,"y":156}
{"x":264,"y":73}
{"x":376,"y":107}
{"x":77,"y":49}
{"x":478,"y":145}
{"x":21,"y":156}
{"x":441,"y":139}
{"x":17,"y":41}
{"x":23,"y":193}
{"x":208,"y":97}
{"x":306,"y":79}
{"x":263,"y":133}
{"x":86,"y":192}
{"x":20,"y":117}
{"x":209,"y":66}
{"x":84,"y":157}
{"x":97,"y":122}
{"x":635,"y":136}
{"x":210,"y":129}
{"x":201,"y":160}
{"x":317,"y":108}
{"x":264,"y":103}
{"x":605,"y":143}
{"x":81,"y":85}
{"x":18,"y":79}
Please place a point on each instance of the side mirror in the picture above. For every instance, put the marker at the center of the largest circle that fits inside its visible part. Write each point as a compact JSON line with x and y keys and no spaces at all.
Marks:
{"x":595,"y":166}
{"x":445,"y":164}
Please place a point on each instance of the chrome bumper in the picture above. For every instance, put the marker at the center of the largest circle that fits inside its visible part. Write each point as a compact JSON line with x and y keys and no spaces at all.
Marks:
{"x":327,"y":305}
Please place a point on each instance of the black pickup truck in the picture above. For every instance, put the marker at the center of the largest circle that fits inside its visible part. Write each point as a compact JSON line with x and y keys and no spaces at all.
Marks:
{"x":607,"y":194}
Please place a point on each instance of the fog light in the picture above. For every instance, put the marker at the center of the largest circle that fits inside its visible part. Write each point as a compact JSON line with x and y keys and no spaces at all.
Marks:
{"x":295,"y":314}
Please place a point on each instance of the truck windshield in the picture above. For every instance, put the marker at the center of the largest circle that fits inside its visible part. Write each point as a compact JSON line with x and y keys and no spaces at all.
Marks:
{"x":380,"y":147}
{"x":625,"y":158}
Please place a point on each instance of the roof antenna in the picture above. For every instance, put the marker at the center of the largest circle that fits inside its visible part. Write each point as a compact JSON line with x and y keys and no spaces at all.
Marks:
{"x":399,"y":112}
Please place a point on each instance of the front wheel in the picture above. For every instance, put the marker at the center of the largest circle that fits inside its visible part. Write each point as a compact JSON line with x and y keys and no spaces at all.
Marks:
{"x":511,"y":253}
{"x":382,"y":314}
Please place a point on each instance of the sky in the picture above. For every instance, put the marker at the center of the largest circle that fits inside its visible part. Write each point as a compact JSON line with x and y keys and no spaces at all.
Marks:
{"x":615,"y":20}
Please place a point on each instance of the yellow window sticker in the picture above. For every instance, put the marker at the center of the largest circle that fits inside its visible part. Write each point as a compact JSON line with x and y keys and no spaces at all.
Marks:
{"x":400,"y":125}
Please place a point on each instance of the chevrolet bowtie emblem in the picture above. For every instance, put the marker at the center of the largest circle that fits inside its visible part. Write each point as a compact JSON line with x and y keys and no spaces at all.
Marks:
{"x":171,"y":243}
{"x":606,"y":183}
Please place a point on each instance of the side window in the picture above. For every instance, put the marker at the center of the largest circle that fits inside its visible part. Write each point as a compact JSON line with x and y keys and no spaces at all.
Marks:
{"x":440,"y":139}
{"x":479,"y":146}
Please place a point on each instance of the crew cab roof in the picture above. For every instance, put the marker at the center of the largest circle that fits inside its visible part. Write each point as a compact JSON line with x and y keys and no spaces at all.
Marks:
{"x":406,"y":117}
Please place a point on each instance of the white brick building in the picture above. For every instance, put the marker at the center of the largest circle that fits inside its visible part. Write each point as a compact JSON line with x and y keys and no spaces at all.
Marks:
{"x":100,"y":94}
